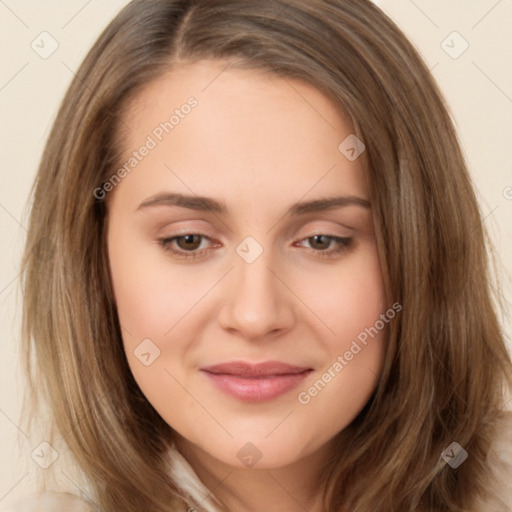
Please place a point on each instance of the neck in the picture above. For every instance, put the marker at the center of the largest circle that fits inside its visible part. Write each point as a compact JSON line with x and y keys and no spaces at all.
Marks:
{"x":293,"y":488}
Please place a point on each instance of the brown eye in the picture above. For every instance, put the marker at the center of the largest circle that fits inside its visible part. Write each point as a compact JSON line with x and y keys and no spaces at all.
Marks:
{"x":187,"y":246}
{"x":321,"y":244}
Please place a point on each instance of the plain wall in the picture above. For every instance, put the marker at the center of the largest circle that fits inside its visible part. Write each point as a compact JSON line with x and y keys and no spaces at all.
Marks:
{"x":477,"y":85}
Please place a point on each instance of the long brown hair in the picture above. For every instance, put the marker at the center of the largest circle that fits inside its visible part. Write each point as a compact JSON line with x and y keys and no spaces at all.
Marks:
{"x":447,"y":367}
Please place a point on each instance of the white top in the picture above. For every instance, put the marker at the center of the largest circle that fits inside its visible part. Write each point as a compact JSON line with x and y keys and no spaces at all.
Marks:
{"x":500,"y":459}
{"x":50,"y":502}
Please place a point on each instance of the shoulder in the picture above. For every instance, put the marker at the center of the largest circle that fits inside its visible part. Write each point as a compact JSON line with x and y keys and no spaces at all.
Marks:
{"x":50,"y":502}
{"x":500,"y":464}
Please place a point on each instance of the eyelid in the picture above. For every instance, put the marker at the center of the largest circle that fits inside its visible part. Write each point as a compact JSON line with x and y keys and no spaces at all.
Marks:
{"x":323,"y":226}
{"x":187,"y":227}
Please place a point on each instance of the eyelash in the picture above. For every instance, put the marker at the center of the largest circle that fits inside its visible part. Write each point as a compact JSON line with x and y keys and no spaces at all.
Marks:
{"x":344,"y":244}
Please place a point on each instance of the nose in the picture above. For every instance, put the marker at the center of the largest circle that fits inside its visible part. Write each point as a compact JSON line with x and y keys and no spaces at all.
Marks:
{"x":258,"y":303}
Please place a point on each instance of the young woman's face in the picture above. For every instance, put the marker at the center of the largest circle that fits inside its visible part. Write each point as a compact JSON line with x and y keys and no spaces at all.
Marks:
{"x":253,"y":317}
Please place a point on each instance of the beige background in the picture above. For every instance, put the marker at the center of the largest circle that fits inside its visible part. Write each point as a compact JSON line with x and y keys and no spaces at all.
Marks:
{"x":477,"y":84}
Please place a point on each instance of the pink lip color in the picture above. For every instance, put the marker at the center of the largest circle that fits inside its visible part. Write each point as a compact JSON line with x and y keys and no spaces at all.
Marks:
{"x":255,"y":382}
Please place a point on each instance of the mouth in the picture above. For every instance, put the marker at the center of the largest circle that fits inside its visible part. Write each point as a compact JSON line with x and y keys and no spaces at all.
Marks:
{"x":256,"y":382}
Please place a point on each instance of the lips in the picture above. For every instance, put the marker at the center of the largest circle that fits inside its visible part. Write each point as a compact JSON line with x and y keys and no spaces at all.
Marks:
{"x":243,"y":369}
{"x":256,"y":382}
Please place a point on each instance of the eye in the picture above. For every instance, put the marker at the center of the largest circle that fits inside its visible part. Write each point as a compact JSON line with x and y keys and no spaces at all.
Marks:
{"x":187,"y":244}
{"x":320,"y":244}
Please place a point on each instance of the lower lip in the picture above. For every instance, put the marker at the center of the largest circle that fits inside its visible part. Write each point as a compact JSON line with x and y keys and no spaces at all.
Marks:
{"x":257,"y":389}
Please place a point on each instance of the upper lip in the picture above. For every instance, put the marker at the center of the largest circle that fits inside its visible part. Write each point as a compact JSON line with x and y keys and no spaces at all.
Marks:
{"x":245,"y":369}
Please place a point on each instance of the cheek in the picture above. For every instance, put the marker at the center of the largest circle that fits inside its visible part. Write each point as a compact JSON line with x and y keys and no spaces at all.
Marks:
{"x":162,"y":312}
{"x":349,"y":299}
{"x":352,"y":307}
{"x":151,"y":298}
{"x":151,"y":295}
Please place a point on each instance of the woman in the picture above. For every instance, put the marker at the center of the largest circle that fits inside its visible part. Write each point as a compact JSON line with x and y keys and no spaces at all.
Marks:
{"x":195,"y":343}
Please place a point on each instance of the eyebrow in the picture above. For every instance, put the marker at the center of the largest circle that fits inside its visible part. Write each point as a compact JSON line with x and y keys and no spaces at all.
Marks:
{"x":207,"y":204}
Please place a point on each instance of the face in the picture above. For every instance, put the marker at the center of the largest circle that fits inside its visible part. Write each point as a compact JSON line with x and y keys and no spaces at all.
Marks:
{"x":253,"y":312}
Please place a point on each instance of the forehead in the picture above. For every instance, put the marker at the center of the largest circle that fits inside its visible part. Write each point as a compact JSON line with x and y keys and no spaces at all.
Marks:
{"x":247,"y":131}
{"x":221,"y":79}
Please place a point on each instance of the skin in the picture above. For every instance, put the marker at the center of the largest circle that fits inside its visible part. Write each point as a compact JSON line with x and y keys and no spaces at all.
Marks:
{"x":257,"y":144}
